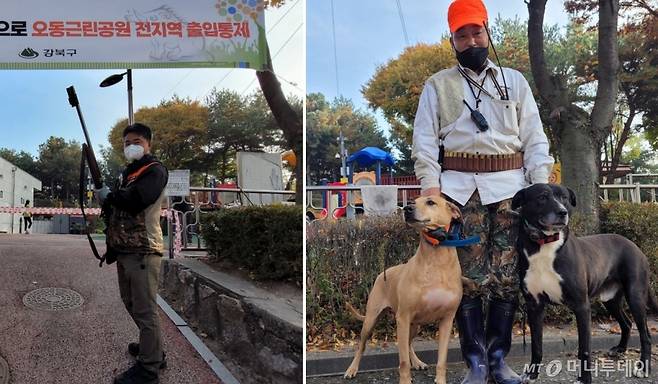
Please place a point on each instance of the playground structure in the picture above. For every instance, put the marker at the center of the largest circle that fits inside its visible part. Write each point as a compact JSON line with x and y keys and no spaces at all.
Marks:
{"x":335,"y":203}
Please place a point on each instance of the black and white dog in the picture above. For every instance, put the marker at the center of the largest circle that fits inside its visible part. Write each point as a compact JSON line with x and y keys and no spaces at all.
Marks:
{"x":559,"y":268}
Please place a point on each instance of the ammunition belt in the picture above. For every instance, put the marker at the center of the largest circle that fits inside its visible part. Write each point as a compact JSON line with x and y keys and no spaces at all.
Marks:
{"x":469,"y":162}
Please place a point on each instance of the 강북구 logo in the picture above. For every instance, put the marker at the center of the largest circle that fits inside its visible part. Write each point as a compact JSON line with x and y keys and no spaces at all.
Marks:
{"x":28,"y":53}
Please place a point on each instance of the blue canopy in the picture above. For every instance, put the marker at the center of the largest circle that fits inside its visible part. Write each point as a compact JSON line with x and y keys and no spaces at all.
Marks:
{"x":370,"y":155}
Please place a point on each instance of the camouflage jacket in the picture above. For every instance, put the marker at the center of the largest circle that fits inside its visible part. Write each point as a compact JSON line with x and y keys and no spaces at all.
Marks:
{"x":134,"y":222}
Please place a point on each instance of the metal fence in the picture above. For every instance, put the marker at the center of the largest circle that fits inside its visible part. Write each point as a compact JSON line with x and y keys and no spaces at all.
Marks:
{"x":318,"y":199}
{"x":185,"y":217}
{"x":634,"y":193}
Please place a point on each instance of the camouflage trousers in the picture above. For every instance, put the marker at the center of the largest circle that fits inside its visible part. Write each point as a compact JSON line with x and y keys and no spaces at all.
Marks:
{"x":490,"y":267}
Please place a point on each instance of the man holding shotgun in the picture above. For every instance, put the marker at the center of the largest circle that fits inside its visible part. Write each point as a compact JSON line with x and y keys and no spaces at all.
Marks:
{"x":135,"y":238}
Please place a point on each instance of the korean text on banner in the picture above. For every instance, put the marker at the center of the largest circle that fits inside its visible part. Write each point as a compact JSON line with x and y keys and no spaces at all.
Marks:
{"x":71,"y":34}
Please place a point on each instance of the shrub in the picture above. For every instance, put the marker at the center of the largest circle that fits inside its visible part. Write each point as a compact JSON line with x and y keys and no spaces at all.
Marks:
{"x":344,"y":257}
{"x":267,"y":241}
{"x":638,"y":223}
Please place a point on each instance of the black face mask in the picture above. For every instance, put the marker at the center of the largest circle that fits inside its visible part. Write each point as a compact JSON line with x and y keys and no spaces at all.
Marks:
{"x":473,"y":58}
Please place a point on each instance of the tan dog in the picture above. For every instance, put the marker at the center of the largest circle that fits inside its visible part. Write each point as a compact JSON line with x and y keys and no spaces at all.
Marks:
{"x":426,"y":289}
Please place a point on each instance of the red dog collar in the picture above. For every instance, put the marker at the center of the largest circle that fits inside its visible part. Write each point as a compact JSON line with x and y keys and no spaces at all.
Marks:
{"x":549,"y":239}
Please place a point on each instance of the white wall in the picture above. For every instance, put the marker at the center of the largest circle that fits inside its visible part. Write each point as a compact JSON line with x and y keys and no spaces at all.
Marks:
{"x":16,"y":183}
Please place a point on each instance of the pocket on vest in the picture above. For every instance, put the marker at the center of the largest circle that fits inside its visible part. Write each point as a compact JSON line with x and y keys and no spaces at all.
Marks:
{"x":506,"y":120}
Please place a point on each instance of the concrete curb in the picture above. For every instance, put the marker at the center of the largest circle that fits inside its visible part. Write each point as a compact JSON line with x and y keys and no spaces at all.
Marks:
{"x":331,"y":363}
{"x":223,"y":374}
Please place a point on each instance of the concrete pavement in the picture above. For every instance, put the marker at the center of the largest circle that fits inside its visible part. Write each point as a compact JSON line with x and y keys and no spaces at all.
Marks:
{"x":559,"y":371}
{"x":83,"y":345}
{"x":557,"y":340}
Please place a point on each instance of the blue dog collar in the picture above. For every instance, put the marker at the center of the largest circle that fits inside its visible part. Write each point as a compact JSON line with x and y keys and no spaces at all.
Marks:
{"x":454,"y":238}
{"x":461,"y":242}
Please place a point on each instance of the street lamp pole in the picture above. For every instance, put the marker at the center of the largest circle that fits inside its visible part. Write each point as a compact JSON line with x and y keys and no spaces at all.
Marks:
{"x":111,"y":80}
{"x":131,"y":116}
{"x":13,"y":195}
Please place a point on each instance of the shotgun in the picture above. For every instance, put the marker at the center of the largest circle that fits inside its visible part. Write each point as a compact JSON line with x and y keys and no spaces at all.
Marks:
{"x":89,"y":158}
{"x":87,"y":149}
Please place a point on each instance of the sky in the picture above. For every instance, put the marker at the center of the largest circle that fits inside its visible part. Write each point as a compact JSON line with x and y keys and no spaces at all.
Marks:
{"x":35,"y":105}
{"x":369,"y":33}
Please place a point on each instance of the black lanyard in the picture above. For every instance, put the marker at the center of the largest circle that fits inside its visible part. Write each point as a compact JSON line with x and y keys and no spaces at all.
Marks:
{"x":472,"y":83}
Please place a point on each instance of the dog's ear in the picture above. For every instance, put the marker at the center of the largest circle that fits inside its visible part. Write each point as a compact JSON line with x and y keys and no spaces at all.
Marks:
{"x":518,"y":199}
{"x":456,"y":212}
{"x":572,"y":197}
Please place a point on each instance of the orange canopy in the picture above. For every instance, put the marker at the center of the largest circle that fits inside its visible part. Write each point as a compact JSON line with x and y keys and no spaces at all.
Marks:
{"x":464,"y":12}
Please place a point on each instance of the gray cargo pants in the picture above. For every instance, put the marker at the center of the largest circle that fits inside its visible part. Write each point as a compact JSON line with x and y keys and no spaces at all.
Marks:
{"x":138,"y":285}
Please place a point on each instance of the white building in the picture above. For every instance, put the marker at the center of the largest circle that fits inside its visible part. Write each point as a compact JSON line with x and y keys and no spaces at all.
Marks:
{"x":16,"y":186}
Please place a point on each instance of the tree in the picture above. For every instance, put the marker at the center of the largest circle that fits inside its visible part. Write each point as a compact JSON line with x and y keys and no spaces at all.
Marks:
{"x":287,"y":115}
{"x":396,"y":86}
{"x":111,"y":165}
{"x":237,"y":123}
{"x":288,"y":119}
{"x":22,"y":159}
{"x":324,"y":121}
{"x":639,"y":85}
{"x":580,"y":134}
{"x":639,"y":157}
{"x":179,"y":132}
{"x":58,"y":168}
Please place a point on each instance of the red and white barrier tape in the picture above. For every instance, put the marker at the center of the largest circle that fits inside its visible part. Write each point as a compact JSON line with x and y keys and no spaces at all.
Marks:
{"x":50,"y":211}
{"x":56,"y":211}
{"x":178,"y":242}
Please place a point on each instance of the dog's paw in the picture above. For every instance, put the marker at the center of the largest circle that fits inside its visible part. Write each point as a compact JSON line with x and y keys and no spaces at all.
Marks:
{"x":417,"y":364}
{"x":351,"y":372}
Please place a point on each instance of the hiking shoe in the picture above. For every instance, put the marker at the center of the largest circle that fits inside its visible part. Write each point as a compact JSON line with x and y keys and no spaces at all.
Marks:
{"x":133,"y":350}
{"x":137,"y":375}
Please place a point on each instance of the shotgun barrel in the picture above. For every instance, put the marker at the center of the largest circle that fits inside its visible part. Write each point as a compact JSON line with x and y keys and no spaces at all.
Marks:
{"x":88,"y":148}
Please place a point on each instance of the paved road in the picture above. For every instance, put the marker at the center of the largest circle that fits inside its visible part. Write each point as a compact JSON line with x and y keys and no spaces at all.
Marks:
{"x":84,"y":345}
{"x":560,"y":371}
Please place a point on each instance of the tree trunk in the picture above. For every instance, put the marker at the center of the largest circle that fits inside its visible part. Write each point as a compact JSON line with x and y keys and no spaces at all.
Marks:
{"x":224,"y":166}
{"x":287,"y":119}
{"x":579,"y":166}
{"x":607,"y":75}
{"x":580,"y":136}
{"x":623,"y":138}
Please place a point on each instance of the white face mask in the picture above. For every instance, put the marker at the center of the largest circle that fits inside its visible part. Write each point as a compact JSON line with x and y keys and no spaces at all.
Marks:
{"x":133,"y":152}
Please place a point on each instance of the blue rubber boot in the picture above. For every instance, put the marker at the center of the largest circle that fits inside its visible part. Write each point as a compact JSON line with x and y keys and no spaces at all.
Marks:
{"x":499,"y":341}
{"x":470,"y":322}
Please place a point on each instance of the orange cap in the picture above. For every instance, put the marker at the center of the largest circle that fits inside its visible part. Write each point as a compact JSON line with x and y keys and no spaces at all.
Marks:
{"x":464,"y":12}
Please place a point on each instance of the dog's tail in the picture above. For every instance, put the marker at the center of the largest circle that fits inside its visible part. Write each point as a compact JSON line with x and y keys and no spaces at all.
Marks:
{"x":354,"y":311}
{"x":652,"y":303}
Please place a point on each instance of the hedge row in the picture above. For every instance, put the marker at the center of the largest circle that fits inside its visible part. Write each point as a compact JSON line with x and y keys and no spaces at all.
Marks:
{"x":344,"y":257}
{"x":266,"y":241}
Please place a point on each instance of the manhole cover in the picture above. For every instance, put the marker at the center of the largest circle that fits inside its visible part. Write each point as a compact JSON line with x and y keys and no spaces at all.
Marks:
{"x":53,"y":299}
{"x":4,"y":371}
